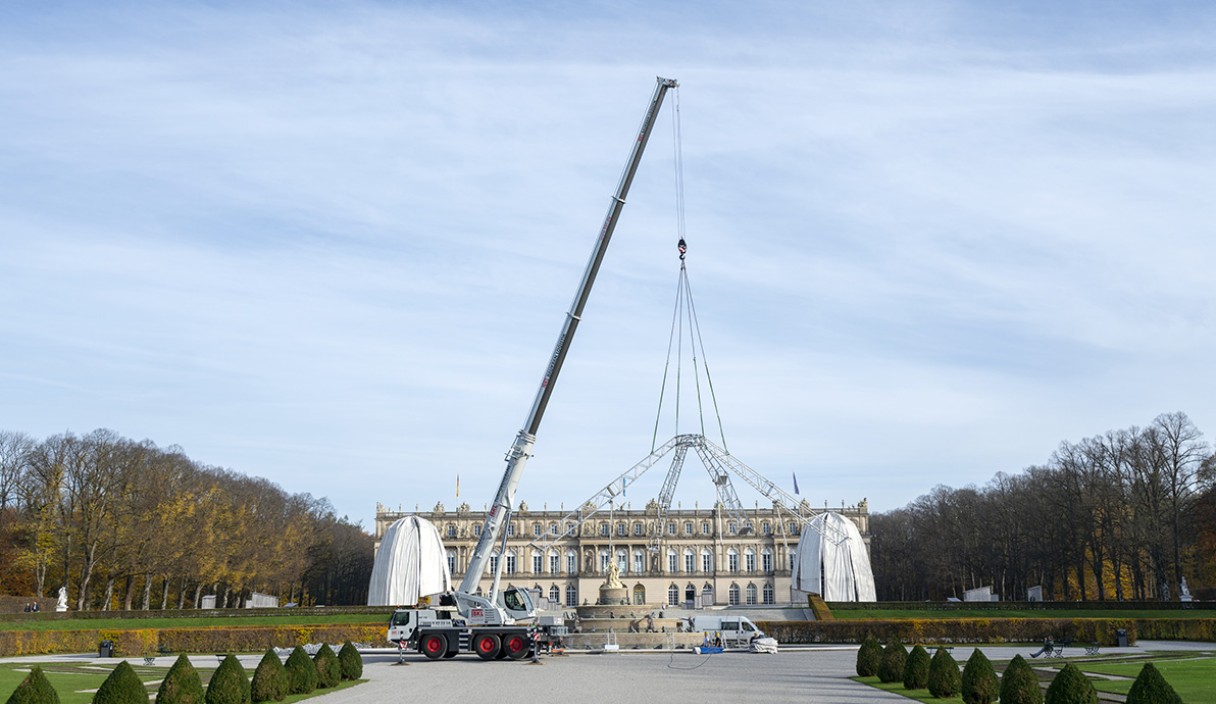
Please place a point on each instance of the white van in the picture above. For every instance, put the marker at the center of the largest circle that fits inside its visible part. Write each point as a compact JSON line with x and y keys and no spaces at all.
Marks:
{"x":734,"y":629}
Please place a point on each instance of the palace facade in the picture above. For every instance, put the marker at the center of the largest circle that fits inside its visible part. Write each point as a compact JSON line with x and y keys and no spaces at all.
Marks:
{"x":685,"y":557}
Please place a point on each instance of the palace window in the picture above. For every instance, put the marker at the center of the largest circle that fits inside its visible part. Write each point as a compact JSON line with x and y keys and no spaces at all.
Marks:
{"x":749,"y":560}
{"x":734,"y":594}
{"x":604,"y":530}
{"x":571,"y":562}
{"x":768,"y":594}
{"x":554,"y":562}
{"x":510,"y":530}
{"x":571,"y":595}
{"x":510,"y":562}
{"x":707,"y":561}
{"x":690,"y":560}
{"x":537,"y":529}
{"x":766,"y":560}
{"x":552,"y":529}
{"x":671,"y":528}
{"x":673,"y":595}
{"x":605,"y":560}
{"x":537,"y":562}
{"x":637,"y":528}
{"x":622,"y":529}
{"x":673,"y":563}
{"x":732,"y":560}
{"x":732,"y":528}
{"x":639,"y":561}
{"x":493,"y":563}
{"x":688,"y":528}
{"x":451,"y":530}
{"x":622,"y":561}
{"x":704,"y":527}
{"x":767,"y":528}
{"x":555,"y":594}
{"x":452,"y":561}
{"x":751,"y":593}
{"x":476,"y":529}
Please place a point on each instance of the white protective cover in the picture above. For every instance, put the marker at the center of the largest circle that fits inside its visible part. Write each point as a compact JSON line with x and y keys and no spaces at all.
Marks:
{"x":833,"y":542}
{"x":411,"y":563}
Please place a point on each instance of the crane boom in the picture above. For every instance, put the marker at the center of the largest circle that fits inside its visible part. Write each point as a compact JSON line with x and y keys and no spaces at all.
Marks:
{"x":517,"y":456}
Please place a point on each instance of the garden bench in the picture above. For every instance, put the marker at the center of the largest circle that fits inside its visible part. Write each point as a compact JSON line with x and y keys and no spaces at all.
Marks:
{"x":1058,"y":651}
{"x":1092,"y":649}
{"x":149,"y":659}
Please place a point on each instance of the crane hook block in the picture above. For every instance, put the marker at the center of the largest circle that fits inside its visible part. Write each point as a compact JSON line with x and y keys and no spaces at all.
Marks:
{"x":682,"y":247}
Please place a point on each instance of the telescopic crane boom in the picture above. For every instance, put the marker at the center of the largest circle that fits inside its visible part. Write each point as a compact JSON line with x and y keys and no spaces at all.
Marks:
{"x":517,"y":456}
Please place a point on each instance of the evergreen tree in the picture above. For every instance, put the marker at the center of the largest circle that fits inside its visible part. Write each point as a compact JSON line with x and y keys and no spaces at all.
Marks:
{"x":123,"y":686}
{"x":181,"y":684}
{"x":34,"y":689}
{"x":944,"y":681}
{"x":269,"y":679}
{"x":329,"y":672}
{"x":891,"y":667}
{"x":1071,"y":686}
{"x":1019,"y":684}
{"x":869,"y":655}
{"x":916,"y":669}
{"x":229,"y":684}
{"x":301,"y":672}
{"x":1151,"y":688}
{"x":351,"y":661}
{"x":979,"y":685}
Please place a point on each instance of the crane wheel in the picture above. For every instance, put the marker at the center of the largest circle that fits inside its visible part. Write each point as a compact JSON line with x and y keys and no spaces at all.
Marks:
{"x":487,"y":646}
{"x":516,"y":646}
{"x":433,"y":645}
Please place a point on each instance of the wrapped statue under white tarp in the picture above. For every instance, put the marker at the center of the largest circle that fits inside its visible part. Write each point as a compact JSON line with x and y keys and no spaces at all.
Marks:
{"x":411,"y":563}
{"x":832,"y":560}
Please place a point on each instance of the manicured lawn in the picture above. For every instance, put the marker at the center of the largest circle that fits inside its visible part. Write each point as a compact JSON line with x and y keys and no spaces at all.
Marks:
{"x":76,"y":683}
{"x":920,"y":695}
{"x":1192,"y":678}
{"x":85,"y":624}
{"x":948,"y":614}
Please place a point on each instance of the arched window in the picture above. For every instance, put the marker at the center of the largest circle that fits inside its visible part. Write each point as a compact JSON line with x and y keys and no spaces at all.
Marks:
{"x":749,"y":560}
{"x":493,"y":562}
{"x":690,"y":593}
{"x":538,"y":560}
{"x":510,"y":562}
{"x":452,"y":561}
{"x":751,"y":593}
{"x":732,"y":560}
{"x":555,"y":562}
{"x":605,"y":560}
{"x":571,"y":562}
{"x":768,"y":594}
{"x":639,"y":594}
{"x":673,"y":563}
{"x":766,"y":560}
{"x":639,"y":562}
{"x":555,"y":594}
{"x":673,"y":595}
{"x":690,"y":560}
{"x":707,"y":561}
{"x":622,"y":561}
{"x":707,"y":595}
{"x":734,"y":594}
{"x":571,"y":595}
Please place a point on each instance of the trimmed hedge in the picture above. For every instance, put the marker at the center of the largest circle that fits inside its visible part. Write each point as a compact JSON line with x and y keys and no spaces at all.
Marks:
{"x":301,"y":672}
{"x":351,"y":661}
{"x":916,"y":669}
{"x":269,"y":679}
{"x":979,"y":685}
{"x":972,"y":630}
{"x":1071,"y":686}
{"x":123,"y":686}
{"x":329,"y":671}
{"x":181,"y":685}
{"x":216,"y":639}
{"x":1151,"y":688}
{"x":869,"y":655}
{"x":34,"y":689}
{"x":229,"y":684}
{"x":1019,"y":683}
{"x":891,"y":667}
{"x":944,"y":679}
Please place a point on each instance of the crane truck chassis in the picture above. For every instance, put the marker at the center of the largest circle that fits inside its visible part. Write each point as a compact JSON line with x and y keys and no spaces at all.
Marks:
{"x":505,"y":624}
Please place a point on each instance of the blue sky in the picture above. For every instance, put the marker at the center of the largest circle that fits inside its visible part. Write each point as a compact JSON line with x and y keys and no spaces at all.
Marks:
{"x":332,"y":244}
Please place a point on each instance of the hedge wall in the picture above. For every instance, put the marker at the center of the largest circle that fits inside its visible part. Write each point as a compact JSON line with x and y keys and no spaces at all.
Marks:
{"x":137,"y":642}
{"x":963,"y":630}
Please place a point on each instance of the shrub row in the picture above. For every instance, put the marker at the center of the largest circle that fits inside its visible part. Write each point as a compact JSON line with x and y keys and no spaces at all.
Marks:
{"x":1022,"y":605}
{"x":964,"y":630}
{"x":186,"y":640}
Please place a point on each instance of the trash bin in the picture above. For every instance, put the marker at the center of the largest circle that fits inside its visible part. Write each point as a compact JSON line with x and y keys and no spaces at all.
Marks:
{"x":1121,"y":637}
{"x":105,"y":649}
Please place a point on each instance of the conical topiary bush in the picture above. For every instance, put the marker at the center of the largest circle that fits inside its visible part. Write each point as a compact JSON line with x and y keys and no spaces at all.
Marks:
{"x":916,"y":669}
{"x":869,"y":655}
{"x":1019,"y":684}
{"x":329,"y":672}
{"x":944,"y":679}
{"x":891,"y":667}
{"x":34,"y":689}
{"x":351,"y":661}
{"x":229,"y":684}
{"x":979,"y":685}
{"x":181,"y":684}
{"x":123,"y":686}
{"x":269,"y":679}
{"x":1071,"y":686}
{"x":301,"y":672}
{"x":1151,"y":688}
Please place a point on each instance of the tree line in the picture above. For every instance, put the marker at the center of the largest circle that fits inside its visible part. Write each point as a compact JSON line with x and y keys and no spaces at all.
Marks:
{"x":1124,"y":515}
{"x":125,"y":524}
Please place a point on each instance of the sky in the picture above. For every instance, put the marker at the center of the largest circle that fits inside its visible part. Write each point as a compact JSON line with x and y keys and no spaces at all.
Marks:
{"x":331,"y":244}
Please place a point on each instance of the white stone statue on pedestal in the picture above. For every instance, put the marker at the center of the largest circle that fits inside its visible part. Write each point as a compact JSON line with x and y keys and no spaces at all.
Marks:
{"x":63,"y":600}
{"x":1186,"y":593}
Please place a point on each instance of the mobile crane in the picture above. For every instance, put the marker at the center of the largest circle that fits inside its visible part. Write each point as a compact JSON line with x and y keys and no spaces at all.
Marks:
{"x":504,"y":624}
